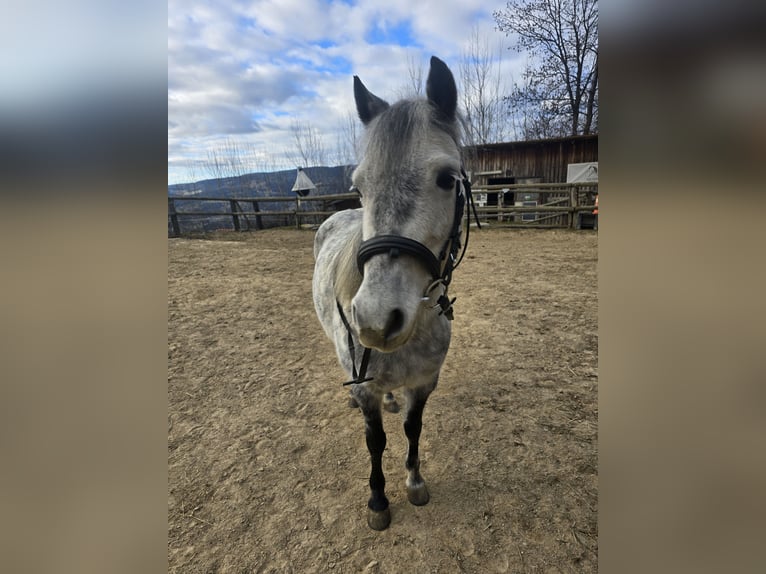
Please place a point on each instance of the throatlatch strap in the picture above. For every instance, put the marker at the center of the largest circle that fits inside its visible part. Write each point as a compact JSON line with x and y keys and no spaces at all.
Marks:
{"x":359,"y":377}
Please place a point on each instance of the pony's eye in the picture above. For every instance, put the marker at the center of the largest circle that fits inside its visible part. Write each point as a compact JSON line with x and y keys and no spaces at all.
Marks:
{"x":445,"y":180}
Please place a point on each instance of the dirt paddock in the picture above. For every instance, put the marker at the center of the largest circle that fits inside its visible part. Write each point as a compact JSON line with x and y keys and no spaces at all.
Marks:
{"x":267,"y":464}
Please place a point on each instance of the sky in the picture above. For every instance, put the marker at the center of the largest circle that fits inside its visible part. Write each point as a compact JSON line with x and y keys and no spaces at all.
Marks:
{"x":247,"y":71}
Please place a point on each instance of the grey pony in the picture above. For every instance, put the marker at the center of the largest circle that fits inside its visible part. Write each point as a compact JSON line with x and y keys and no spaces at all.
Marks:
{"x":407,"y":182}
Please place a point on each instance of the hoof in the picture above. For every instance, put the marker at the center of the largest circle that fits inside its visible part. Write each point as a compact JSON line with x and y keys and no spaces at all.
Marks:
{"x":378,"y":519}
{"x":418,"y":495}
{"x":352,"y":403}
{"x":390,"y":404}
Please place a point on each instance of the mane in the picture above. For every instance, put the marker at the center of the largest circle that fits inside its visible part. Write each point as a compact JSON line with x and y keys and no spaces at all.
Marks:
{"x":346,"y":274}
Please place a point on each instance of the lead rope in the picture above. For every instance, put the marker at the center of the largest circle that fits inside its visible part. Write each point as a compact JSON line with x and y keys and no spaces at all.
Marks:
{"x":359,"y":377}
{"x":469,"y":197}
{"x":452,"y":261}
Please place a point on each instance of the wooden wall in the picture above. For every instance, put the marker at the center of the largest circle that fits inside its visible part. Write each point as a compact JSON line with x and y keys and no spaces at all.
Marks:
{"x":547,"y":159}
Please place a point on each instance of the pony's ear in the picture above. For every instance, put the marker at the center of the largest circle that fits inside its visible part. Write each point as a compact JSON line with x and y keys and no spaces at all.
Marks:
{"x":368,"y":105}
{"x":441,"y":89}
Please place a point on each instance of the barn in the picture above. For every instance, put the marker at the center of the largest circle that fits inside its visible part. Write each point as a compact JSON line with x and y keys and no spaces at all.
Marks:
{"x":526,"y":174}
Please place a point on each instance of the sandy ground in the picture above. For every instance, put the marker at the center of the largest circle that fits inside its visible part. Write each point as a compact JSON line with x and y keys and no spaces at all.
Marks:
{"x":267,"y":465}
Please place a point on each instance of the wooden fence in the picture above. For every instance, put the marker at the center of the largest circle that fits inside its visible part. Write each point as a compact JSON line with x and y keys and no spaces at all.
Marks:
{"x":243,"y":218}
{"x":556,"y":205}
{"x":538,"y":205}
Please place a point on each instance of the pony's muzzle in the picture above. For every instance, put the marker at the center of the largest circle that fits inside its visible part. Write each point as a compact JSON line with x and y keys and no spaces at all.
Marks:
{"x":378,"y":329}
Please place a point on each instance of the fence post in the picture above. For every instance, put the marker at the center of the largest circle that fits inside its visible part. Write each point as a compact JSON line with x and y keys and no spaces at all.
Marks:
{"x":173,"y":217}
{"x":297,"y":211}
{"x":574,"y":218}
{"x":234,"y":216}
{"x":258,"y":220}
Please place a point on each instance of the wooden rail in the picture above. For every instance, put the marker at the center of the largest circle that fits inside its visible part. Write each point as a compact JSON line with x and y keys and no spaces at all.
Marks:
{"x":564,"y":210}
{"x":237,"y":213}
{"x":562,"y":204}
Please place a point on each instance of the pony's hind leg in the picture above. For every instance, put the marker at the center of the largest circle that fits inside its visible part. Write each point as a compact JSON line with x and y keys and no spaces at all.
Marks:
{"x":378,"y":512}
{"x":390,"y":404}
{"x":417,"y":493}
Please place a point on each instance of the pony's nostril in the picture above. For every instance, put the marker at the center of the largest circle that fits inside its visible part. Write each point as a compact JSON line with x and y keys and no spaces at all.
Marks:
{"x":394,"y":324}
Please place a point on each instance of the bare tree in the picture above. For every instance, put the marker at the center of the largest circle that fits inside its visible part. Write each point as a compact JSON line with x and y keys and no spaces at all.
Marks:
{"x":482,"y":92}
{"x":349,"y":140}
{"x":216,"y":165}
{"x":229,"y":164}
{"x":309,"y":150}
{"x":349,"y":149}
{"x":415,"y":71}
{"x":260,"y":160}
{"x":414,"y":87}
{"x":559,"y":95}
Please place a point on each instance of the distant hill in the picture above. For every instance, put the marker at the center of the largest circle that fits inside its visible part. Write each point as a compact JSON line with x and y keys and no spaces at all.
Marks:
{"x":329,"y":180}
{"x":266,"y":184}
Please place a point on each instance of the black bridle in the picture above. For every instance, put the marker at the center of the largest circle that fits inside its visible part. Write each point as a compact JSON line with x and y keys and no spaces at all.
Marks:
{"x":440,"y":268}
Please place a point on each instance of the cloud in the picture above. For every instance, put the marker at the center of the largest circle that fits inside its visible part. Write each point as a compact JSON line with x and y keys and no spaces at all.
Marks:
{"x":250,"y":69}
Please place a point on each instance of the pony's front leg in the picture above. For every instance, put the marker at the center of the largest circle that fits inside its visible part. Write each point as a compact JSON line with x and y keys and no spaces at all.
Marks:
{"x":378,"y":513}
{"x":417,"y":493}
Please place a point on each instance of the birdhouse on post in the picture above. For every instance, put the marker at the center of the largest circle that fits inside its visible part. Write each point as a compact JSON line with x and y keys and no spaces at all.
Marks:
{"x":302,"y":187}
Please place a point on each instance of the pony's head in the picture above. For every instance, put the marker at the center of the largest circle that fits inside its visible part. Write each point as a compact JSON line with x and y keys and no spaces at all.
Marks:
{"x":408,"y":180}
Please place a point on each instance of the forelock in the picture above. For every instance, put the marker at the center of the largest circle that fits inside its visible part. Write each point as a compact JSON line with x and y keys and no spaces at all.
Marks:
{"x":390,"y":137}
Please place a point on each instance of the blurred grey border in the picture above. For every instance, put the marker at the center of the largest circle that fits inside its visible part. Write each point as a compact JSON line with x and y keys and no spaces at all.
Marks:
{"x":83,"y":311}
{"x":682,"y":313}
{"x":681,"y":288}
